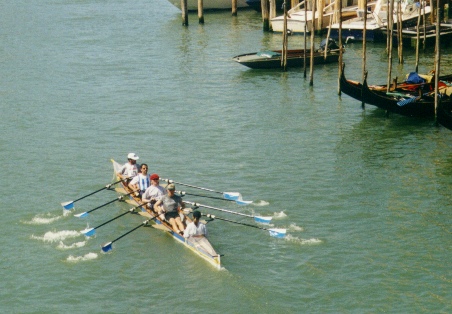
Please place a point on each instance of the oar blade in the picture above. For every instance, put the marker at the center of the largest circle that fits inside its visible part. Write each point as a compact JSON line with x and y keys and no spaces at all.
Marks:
{"x":242,"y":202}
{"x":89,"y":232}
{"x":263,"y":219}
{"x":232,"y":196}
{"x":277,"y":233}
{"x":68,"y":205}
{"x":107,"y":247}
{"x":81,"y":215}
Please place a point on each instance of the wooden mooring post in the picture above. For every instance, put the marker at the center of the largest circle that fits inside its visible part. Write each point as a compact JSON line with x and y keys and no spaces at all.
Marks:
{"x":437,"y":56}
{"x":272,"y":13}
{"x":311,"y":64}
{"x":265,"y":15}
{"x":184,"y":8}
{"x":234,"y":7}
{"x":201,"y":11}
{"x":339,"y":18}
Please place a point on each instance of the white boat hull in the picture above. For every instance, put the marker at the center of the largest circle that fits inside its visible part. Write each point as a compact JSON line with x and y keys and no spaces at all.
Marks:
{"x":200,"y":246}
{"x":296,"y":22}
{"x":210,"y":4}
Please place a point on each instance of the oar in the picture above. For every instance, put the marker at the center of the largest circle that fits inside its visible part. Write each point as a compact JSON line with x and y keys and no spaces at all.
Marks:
{"x":70,"y":205}
{"x":277,"y":233}
{"x":261,"y":219}
{"x":239,"y":202}
{"x":119,"y":198}
{"x":108,"y":246}
{"x":92,"y":231}
{"x":227,"y":195}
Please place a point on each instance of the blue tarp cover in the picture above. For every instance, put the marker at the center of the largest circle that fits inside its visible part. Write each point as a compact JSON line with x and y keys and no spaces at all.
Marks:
{"x":414,"y":78}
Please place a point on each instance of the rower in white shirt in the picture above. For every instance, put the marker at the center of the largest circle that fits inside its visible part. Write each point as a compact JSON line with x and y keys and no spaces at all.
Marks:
{"x":195,"y":228}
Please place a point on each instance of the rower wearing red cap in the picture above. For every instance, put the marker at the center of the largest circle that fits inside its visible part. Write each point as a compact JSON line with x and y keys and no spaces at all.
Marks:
{"x":154,"y":192}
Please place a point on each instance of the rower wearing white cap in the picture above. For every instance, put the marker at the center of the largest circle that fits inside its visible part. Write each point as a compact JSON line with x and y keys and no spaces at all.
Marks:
{"x":130,"y":168}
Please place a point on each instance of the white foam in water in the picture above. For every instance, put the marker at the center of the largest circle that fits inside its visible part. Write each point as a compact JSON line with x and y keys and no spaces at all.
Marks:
{"x":42,"y":220}
{"x":311,"y":241}
{"x":279,"y":215}
{"x":63,"y":246}
{"x":294,"y":227}
{"x":260,"y":203}
{"x":51,"y":236}
{"x":87,"y":257}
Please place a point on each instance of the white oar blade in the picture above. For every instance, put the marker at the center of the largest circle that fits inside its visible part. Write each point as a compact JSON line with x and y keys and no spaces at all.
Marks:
{"x":242,"y":202}
{"x":81,"y":215}
{"x":89,"y":232}
{"x":233,"y":196}
{"x":277,"y":233}
{"x":107,"y":247}
{"x":263,"y":219}
{"x":68,"y":205}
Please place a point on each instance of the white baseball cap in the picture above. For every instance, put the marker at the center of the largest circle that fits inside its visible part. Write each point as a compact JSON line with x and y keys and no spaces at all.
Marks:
{"x":132,"y":156}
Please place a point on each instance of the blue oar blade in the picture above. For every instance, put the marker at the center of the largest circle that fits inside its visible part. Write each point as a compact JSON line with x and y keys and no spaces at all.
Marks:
{"x":81,"y":215}
{"x":89,"y":232}
{"x":277,"y":233}
{"x":262,"y":219}
{"x":68,"y":205}
{"x":107,"y":247}
{"x":242,"y":202}
{"x":232,"y":196}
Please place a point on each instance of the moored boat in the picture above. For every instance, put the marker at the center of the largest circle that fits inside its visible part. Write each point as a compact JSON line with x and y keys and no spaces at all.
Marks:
{"x":199,"y":245}
{"x":444,"y":114}
{"x":271,"y":59}
{"x":427,"y":33}
{"x":412,"y":100}
{"x":299,"y":20}
{"x":376,"y":20}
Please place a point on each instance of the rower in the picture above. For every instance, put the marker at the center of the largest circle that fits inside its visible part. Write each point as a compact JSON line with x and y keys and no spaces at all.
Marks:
{"x":168,"y":208}
{"x":140,"y":182}
{"x":153,"y":193}
{"x":196,"y":228}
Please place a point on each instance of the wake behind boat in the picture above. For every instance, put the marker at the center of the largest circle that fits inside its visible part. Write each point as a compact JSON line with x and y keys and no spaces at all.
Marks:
{"x":200,"y":246}
{"x":271,"y":59}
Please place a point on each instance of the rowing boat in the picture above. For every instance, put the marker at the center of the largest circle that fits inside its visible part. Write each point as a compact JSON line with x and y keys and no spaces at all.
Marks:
{"x":199,"y":245}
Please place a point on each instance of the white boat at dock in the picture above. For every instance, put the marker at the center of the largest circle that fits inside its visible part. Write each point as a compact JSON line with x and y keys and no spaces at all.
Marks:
{"x":377,"y":20}
{"x":192,"y":5}
{"x":297,"y":17}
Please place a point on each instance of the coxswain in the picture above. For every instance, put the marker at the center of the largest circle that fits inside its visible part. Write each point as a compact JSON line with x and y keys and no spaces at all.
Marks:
{"x":130,"y":168}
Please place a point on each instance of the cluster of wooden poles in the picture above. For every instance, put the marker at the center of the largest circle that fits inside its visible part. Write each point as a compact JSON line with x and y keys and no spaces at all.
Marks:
{"x":184,"y":8}
{"x":269,"y":11}
{"x":390,"y":31}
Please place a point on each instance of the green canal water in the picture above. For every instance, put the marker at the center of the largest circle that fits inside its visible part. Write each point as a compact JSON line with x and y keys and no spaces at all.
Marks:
{"x":365,"y":198}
